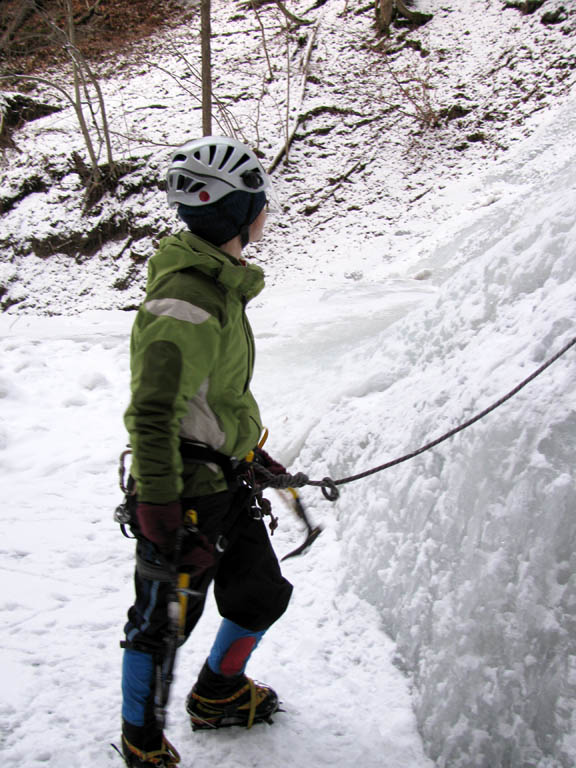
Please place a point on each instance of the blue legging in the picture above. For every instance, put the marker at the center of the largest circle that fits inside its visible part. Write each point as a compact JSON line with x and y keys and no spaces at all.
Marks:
{"x":230,"y":654}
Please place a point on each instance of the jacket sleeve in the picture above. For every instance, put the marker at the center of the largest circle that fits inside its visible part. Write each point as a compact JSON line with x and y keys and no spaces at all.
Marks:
{"x":173,"y":351}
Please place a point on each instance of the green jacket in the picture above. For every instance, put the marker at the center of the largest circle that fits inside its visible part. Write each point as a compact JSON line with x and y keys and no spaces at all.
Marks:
{"x":192,"y":357}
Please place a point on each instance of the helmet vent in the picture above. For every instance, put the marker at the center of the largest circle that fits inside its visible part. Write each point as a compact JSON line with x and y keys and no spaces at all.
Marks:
{"x":179,"y":159}
{"x":229,"y":151}
{"x":212,"y":153}
{"x":240,"y":162}
{"x":186,"y":184}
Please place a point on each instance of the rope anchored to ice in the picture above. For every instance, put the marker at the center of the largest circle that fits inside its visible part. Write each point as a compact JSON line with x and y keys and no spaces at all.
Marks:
{"x":330,"y":487}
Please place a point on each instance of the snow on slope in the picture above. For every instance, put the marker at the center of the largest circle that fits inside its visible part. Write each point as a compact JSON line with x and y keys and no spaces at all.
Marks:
{"x":362,"y":165}
{"x":468,"y":551}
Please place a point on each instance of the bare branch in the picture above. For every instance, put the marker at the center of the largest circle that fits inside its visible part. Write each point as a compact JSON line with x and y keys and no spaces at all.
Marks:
{"x":290,"y":133}
{"x":264,"y":44}
{"x":290,"y":16}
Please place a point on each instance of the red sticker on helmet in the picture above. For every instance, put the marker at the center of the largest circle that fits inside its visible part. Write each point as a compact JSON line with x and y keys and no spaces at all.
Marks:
{"x":204,"y":196}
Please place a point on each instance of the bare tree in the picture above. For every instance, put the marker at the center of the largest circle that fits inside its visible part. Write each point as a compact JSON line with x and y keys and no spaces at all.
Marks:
{"x":416,"y":94}
{"x":205,"y":36}
{"x":291,"y":17}
{"x":384,"y":14}
{"x":290,"y":132}
{"x":82,"y":73}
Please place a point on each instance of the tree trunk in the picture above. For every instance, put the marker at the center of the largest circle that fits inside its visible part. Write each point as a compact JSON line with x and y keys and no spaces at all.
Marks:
{"x":384,"y":14}
{"x":388,"y":10}
{"x":404,"y":11}
{"x":206,"y":69}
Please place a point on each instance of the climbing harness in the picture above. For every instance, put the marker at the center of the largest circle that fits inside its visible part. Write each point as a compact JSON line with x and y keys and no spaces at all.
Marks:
{"x":329,"y":486}
{"x":248,"y":478}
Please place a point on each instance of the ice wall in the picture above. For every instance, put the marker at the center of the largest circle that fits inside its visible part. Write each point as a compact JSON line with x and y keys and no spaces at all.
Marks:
{"x":469,"y":550}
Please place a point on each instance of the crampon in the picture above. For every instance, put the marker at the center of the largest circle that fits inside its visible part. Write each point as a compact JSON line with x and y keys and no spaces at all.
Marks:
{"x":252,"y":703}
{"x":164,"y":757}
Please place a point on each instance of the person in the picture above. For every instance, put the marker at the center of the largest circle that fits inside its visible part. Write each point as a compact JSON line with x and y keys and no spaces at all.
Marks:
{"x":191,"y":420}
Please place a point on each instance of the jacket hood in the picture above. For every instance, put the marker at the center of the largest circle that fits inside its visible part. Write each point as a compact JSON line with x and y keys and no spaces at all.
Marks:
{"x":188,"y":251}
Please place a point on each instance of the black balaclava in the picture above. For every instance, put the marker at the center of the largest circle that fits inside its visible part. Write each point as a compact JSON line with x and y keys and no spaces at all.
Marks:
{"x":226,"y":218}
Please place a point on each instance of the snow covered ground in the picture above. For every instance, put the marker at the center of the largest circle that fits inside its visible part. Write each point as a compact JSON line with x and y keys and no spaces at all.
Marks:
{"x":66,"y":572}
{"x":464,"y":556}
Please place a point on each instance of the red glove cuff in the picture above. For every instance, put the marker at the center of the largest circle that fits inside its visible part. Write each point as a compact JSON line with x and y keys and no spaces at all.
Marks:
{"x":269,"y":463}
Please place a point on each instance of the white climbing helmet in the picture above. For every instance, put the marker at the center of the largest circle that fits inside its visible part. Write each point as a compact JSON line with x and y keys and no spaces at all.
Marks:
{"x":205,"y":170}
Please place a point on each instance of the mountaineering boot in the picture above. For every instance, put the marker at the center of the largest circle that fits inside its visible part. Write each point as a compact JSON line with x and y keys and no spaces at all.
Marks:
{"x":164,"y":757}
{"x":217,"y":701}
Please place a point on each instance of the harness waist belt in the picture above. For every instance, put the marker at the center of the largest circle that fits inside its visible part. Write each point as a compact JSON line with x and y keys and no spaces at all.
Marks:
{"x":200,"y":453}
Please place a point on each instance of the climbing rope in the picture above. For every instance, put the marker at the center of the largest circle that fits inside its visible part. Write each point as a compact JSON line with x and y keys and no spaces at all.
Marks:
{"x":330,"y":487}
